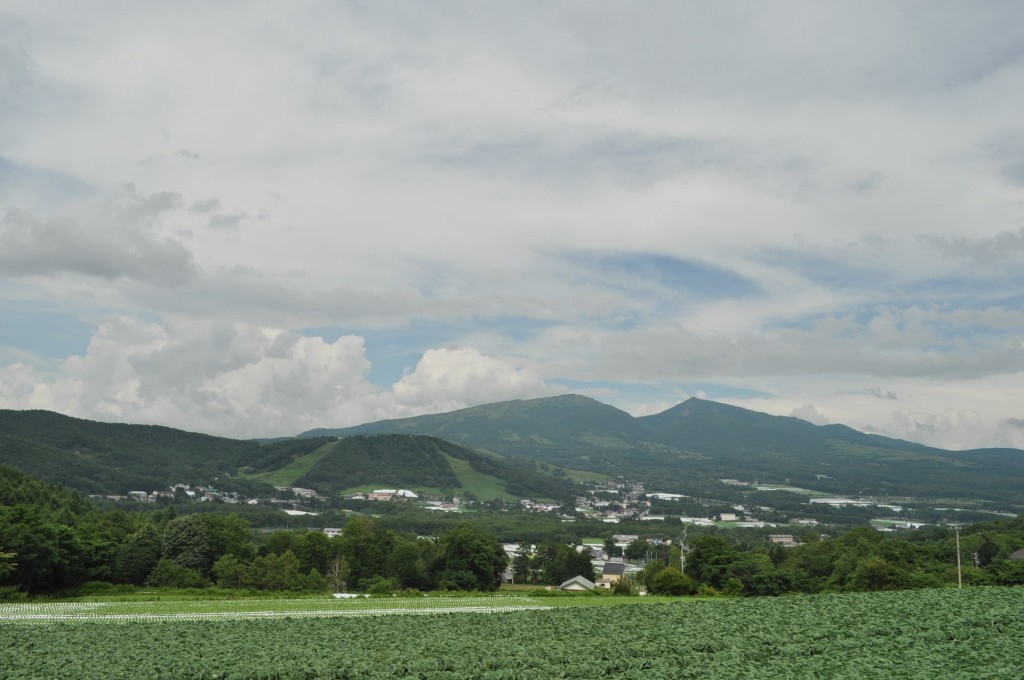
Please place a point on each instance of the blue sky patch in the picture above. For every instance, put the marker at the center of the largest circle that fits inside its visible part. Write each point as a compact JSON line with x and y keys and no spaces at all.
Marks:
{"x":393,"y":350}
{"x":670,"y":274}
{"x":47,"y":333}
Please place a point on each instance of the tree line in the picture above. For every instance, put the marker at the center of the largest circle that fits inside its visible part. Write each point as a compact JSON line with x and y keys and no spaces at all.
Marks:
{"x":53,"y":540}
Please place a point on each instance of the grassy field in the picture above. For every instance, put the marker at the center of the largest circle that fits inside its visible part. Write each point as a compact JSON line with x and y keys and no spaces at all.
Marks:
{"x":583,"y":476}
{"x":970,"y":634}
{"x":287,"y":475}
{"x":485,"y":487}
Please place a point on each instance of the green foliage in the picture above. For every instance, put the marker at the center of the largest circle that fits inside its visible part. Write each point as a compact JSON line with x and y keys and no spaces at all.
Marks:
{"x":187,"y":542}
{"x":671,"y":581}
{"x":637,"y":550}
{"x":704,"y":590}
{"x":554,"y":563}
{"x":972,"y":635}
{"x":624,"y":586}
{"x":170,"y":574}
{"x":388,"y":459}
{"x":650,"y":572}
{"x":366,"y":549}
{"x":113,"y":458}
{"x":281,"y":453}
{"x":138,"y":555}
{"x":733,"y":587}
{"x":471,"y":559}
{"x":382,"y":586}
{"x":275,"y":572}
{"x":230,"y":572}
{"x":710,"y":559}
{"x":52,"y":538}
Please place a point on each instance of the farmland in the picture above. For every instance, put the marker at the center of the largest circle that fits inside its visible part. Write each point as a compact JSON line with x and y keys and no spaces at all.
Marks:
{"x":973,"y":633}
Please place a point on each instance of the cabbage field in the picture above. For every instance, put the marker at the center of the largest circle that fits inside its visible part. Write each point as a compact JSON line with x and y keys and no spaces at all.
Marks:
{"x":974,"y":633}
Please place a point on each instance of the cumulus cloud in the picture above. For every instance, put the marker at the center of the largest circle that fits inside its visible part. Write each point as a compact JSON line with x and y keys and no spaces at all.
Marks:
{"x":448,"y":379}
{"x":217,"y":377}
{"x":244,"y":380}
{"x":17,"y":382}
{"x":809,"y":413}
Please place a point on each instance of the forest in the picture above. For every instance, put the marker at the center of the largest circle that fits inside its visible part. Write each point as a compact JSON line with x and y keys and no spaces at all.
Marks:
{"x":54,"y":541}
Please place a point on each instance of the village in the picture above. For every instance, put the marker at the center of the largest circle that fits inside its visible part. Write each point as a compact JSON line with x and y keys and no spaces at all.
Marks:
{"x":610,"y":502}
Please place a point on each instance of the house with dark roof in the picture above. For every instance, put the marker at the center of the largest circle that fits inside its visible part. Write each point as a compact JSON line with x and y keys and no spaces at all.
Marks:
{"x":611,"y":574}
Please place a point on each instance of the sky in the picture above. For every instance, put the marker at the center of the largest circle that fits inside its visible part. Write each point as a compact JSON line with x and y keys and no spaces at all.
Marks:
{"x":255,"y":218}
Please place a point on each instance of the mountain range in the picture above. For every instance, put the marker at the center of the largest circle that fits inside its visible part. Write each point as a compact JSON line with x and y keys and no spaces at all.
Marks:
{"x":698,"y":441}
{"x":515,"y":449}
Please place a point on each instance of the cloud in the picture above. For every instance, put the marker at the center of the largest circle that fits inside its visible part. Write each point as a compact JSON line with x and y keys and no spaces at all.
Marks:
{"x":810,"y":414}
{"x":205,"y":205}
{"x":913,"y":342}
{"x":572,"y":157}
{"x":879,"y":393}
{"x":448,"y":379}
{"x":1006,"y":245}
{"x":638,"y":202}
{"x":953,"y":427}
{"x":15,"y":68}
{"x":38,"y":187}
{"x":222,"y":378}
{"x":34,"y":247}
{"x":643,"y":272}
{"x":226,"y":221}
{"x":245,"y":381}
{"x":17,"y":382}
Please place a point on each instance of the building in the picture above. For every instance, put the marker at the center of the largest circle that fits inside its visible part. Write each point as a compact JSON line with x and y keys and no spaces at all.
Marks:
{"x":577,"y":584}
{"x":613,"y":571}
{"x":785,"y":540}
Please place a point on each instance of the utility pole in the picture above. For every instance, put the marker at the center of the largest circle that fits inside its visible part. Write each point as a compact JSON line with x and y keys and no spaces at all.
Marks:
{"x":959,"y":576}
{"x":682,"y":552}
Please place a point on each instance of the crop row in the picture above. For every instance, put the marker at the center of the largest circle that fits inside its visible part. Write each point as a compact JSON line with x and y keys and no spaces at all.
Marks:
{"x":195,"y":610}
{"x":914,"y":634}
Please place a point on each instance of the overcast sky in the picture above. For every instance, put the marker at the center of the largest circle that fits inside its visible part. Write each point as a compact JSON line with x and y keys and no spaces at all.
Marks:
{"x":251,"y":219}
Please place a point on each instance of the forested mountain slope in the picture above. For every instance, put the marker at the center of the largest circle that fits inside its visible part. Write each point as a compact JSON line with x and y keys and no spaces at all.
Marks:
{"x":686,"y":447}
{"x":95,"y":457}
{"x":417,"y":462}
{"x":113,"y":458}
{"x":698,"y":441}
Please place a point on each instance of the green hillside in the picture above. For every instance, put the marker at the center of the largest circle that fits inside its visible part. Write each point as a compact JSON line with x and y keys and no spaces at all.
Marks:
{"x":691,"y":444}
{"x":832,"y":458}
{"x":113,"y":458}
{"x":387,"y":460}
{"x":524,"y":448}
{"x":566,"y":430}
{"x":425,"y":462}
{"x":96,"y":457}
{"x":288,"y":461}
